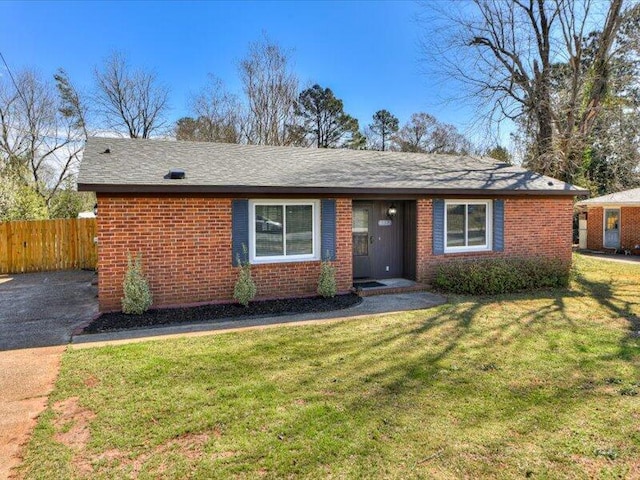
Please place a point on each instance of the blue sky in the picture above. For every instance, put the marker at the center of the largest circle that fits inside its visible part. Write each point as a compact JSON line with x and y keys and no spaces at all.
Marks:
{"x":366,"y":52}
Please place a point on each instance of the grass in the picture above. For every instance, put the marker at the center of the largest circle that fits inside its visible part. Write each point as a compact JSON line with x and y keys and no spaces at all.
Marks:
{"x":542,"y":385}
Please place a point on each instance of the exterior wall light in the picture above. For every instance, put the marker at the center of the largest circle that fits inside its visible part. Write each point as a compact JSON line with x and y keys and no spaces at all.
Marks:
{"x":392,"y":212}
{"x":95,"y":209}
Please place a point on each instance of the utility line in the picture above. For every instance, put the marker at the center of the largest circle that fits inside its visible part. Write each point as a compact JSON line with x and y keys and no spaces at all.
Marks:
{"x":15,"y":84}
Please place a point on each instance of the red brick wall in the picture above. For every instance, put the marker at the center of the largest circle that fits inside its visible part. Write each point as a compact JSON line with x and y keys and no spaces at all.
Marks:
{"x":186,"y":248}
{"x":533,"y":227}
{"x":595,"y":227}
{"x":424,"y":240}
{"x":629,"y":227}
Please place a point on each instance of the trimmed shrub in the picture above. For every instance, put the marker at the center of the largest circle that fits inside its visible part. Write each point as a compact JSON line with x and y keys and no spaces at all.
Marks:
{"x":492,"y":276}
{"x":327,"y":280}
{"x":137,"y":295}
{"x":245,"y":288}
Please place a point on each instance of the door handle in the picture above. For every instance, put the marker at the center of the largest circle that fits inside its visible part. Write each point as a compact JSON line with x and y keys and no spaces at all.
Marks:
{"x":371,"y":239}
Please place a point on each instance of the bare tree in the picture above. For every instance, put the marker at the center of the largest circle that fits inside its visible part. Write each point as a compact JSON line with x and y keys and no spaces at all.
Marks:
{"x":423,"y":133}
{"x":271,"y":90}
{"x":129,"y":101}
{"x":217,"y":116}
{"x":447,"y":139}
{"x":504,"y":52}
{"x":40,"y":140}
{"x":415,"y":135}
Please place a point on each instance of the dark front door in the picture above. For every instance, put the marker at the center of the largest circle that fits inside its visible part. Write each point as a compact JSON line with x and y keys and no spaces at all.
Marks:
{"x":362,"y":239}
{"x":377,"y":240}
{"x":387,"y":240}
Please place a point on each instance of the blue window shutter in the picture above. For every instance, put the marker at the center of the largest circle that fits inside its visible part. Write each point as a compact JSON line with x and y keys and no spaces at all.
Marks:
{"x":498,"y":225}
{"x":328,"y":229}
{"x":438,"y":226}
{"x":239,"y":230}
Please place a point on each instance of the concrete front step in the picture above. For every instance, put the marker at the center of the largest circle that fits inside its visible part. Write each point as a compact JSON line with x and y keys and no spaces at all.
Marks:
{"x":391,"y":289}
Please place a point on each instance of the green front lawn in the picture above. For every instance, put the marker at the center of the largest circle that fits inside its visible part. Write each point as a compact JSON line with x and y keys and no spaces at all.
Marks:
{"x":521,"y":386}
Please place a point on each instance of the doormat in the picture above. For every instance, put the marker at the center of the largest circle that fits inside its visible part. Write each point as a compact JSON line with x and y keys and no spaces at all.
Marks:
{"x":368,"y":284}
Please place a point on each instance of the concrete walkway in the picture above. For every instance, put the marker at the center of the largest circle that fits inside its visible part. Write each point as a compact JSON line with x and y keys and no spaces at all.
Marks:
{"x":612,"y":257}
{"x":377,"y":305}
{"x":26,"y":378}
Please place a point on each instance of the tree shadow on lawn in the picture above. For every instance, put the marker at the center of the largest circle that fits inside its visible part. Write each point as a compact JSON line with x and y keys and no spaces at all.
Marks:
{"x":465,"y":352}
{"x":616,"y":302}
{"x":342,"y":398}
{"x":467,"y":312}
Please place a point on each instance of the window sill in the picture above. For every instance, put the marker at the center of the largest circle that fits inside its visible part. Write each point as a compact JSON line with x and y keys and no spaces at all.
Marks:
{"x":269,"y":261}
{"x":467,"y":250}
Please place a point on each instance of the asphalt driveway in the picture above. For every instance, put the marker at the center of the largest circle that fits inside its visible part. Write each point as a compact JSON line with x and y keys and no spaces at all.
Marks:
{"x":42,"y":309}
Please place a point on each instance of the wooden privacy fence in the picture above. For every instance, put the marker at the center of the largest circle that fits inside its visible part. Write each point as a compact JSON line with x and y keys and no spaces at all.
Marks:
{"x":40,"y":245}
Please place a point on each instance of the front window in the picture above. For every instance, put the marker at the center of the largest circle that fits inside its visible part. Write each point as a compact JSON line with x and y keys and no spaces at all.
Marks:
{"x":468,"y":225}
{"x":284,"y":230}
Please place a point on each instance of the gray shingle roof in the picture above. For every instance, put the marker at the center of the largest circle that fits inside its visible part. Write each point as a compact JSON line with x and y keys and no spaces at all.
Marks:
{"x":134,"y":165}
{"x":627,"y":197}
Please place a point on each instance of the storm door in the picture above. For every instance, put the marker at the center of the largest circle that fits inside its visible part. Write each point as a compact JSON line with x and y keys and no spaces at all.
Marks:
{"x":362,"y":239}
{"x":612,"y":228}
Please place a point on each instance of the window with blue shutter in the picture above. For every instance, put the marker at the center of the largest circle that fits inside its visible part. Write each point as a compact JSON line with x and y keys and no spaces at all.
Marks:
{"x":328,"y":229}
{"x":438,"y":226}
{"x":498,"y":225}
{"x":467,"y":226}
{"x":239,"y":230}
{"x":288,"y":230}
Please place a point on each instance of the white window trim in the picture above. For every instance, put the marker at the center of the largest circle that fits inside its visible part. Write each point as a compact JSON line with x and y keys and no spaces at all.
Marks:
{"x":489,"y":226}
{"x":315,"y":208}
{"x":604,"y":226}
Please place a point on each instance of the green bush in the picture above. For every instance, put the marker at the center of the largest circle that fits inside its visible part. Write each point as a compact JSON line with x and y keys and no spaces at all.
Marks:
{"x":327,"y":281}
{"x":491,"y":276}
{"x":137,"y":295}
{"x":245,"y":288}
{"x":20,"y":202}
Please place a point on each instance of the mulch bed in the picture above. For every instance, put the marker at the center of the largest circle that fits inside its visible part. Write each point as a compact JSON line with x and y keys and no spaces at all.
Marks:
{"x":109,"y":322}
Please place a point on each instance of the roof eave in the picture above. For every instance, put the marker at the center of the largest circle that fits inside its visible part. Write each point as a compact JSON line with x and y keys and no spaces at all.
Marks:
{"x":243,"y":189}
{"x":608,"y":204}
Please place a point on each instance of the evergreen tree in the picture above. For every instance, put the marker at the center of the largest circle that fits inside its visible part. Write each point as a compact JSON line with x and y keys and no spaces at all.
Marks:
{"x":384,"y":125}
{"x":499,"y":153}
{"x":323,"y":118}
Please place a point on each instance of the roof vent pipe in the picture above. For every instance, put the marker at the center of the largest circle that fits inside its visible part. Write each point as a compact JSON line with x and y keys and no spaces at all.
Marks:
{"x":175,"y":174}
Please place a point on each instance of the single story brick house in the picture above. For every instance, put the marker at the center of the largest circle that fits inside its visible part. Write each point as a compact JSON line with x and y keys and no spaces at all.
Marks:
{"x":613,"y":221}
{"x":192,"y":208}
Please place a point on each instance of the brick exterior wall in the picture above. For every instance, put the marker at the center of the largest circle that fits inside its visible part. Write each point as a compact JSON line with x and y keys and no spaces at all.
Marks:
{"x":533,"y":227}
{"x":186,"y":246}
{"x":595,"y":228}
{"x":629,"y":227}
